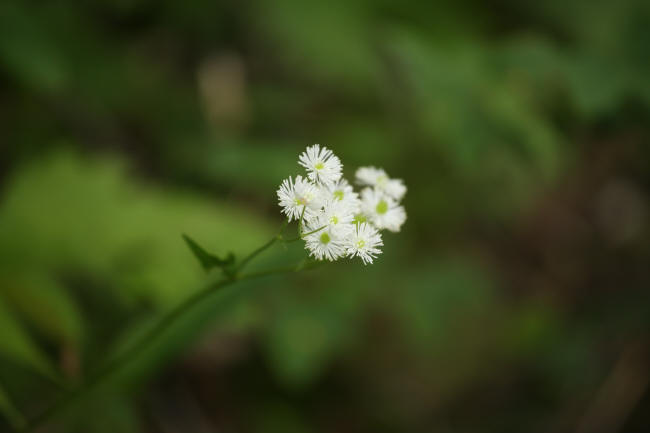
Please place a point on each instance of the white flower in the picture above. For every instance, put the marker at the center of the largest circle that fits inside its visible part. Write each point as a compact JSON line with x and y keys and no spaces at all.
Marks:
{"x":370,"y":175}
{"x":338,"y":216}
{"x":364,"y":242}
{"x":382,"y":211}
{"x":296,"y":196}
{"x":324,"y":243}
{"x":394,"y":188}
{"x":337,"y":221}
{"x":342,"y":191}
{"x":321,"y":164}
{"x":377,"y":177}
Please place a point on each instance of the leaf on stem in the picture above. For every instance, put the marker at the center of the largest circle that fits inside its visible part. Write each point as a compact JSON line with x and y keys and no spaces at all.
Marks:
{"x":207,"y":260}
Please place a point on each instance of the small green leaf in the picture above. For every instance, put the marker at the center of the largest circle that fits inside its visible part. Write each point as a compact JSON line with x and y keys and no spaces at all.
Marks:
{"x":207,"y":260}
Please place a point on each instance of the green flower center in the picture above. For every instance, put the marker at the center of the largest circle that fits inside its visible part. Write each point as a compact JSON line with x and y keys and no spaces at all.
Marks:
{"x":338,"y":194}
{"x":299,"y":201}
{"x":382,"y":207}
{"x":359,"y":218}
{"x":325,"y":238}
{"x":334,"y":219}
{"x":361,"y":243}
{"x":319,"y":165}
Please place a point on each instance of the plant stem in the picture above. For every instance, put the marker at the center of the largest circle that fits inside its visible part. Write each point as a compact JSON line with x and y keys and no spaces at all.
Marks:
{"x":119,"y":361}
{"x":302,"y":215}
{"x":261,"y":249}
{"x":304,"y":234}
{"x":302,"y":265}
{"x":145,"y":341}
{"x":252,"y":255}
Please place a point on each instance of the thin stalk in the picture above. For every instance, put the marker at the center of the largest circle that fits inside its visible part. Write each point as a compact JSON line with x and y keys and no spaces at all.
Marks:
{"x":261,"y":249}
{"x":300,"y":266}
{"x":302,"y":215}
{"x":264,"y":247}
{"x":121,"y":360}
{"x":145,"y":341}
{"x":302,"y":236}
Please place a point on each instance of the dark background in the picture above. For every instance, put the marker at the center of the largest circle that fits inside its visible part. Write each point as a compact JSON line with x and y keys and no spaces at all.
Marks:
{"x":515,"y":299}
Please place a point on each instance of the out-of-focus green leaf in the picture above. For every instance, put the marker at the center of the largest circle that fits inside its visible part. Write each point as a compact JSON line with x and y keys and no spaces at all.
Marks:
{"x":597,"y":85}
{"x":430,"y":302}
{"x":477,"y":129}
{"x":9,"y":410}
{"x":46,"y":305}
{"x":29,"y":50}
{"x":17,"y":345}
{"x":88,"y":215}
{"x":314,"y":34}
{"x":300,"y":342}
{"x":279,"y":417}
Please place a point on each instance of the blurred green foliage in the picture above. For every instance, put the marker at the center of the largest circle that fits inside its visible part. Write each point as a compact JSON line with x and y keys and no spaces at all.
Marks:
{"x":514,"y":297}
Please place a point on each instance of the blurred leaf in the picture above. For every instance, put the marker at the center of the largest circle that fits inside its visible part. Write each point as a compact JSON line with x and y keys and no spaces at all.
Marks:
{"x":17,"y":345}
{"x":430,"y":301}
{"x":326,"y":41}
{"x":476,"y":128}
{"x":106,"y":412}
{"x":47,"y":306}
{"x":532,"y":330}
{"x":29,"y":48}
{"x":597,"y":85}
{"x":207,"y":260}
{"x":279,"y":417}
{"x":100,"y":222}
{"x":11,"y":413}
{"x":301,"y":340}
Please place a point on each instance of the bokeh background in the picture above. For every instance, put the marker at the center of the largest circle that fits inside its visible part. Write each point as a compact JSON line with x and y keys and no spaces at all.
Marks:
{"x":515,"y":299}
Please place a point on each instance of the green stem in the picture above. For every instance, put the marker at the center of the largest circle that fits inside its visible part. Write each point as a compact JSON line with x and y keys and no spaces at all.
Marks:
{"x":261,"y":249}
{"x":119,"y":361}
{"x":302,"y":236}
{"x":300,"y":266}
{"x":302,"y":215}
{"x":136,"y":349}
{"x":146,"y":340}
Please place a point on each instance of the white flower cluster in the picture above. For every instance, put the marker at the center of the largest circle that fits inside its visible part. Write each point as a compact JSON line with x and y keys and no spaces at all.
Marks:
{"x":335,"y":220}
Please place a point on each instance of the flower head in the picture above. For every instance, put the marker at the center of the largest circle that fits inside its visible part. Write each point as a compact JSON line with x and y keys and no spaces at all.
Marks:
{"x":338,"y":216}
{"x":382,"y":211}
{"x":377,"y":178}
{"x":364,"y":242}
{"x":321,"y":164}
{"x":334,"y":220}
{"x":294,"y":197}
{"x":342,"y":191}
{"x":324,"y":243}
